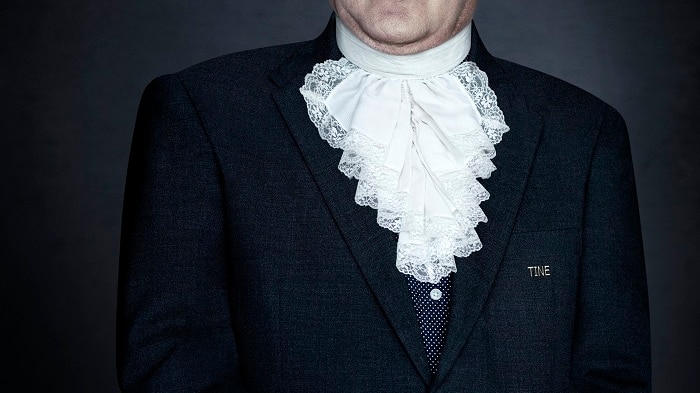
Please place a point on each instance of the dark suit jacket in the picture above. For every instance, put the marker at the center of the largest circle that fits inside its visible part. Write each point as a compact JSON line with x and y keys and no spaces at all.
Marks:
{"x":246,"y":265}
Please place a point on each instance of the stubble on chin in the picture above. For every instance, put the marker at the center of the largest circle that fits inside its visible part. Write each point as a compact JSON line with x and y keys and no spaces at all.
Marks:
{"x":396,"y":33}
{"x":395,"y":27}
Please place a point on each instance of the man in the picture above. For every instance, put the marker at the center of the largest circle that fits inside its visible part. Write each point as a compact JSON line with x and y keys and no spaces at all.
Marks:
{"x":508,"y":254}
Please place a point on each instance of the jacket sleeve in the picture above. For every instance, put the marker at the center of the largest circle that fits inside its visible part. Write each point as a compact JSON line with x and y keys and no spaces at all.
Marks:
{"x":611,"y":346}
{"x":174,"y":325}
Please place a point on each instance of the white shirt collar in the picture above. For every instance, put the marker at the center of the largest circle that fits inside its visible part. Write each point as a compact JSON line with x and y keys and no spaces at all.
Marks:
{"x":432,"y":62}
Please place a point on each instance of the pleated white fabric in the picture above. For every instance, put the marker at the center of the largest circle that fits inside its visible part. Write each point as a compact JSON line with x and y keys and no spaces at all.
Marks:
{"x":416,"y":142}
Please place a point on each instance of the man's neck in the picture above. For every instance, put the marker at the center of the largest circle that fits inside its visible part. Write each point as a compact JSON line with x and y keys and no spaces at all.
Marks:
{"x":426,"y":64}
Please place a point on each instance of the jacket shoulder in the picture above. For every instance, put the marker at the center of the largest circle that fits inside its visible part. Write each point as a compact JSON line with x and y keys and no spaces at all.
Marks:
{"x":242,"y":73}
{"x":243,"y":69}
{"x":553,"y":95}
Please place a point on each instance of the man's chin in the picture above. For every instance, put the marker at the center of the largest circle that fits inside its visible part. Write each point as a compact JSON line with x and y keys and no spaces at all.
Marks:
{"x":398,"y":34}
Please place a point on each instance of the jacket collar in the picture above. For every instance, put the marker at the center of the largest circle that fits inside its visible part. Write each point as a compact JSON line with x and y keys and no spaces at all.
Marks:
{"x":373,"y":247}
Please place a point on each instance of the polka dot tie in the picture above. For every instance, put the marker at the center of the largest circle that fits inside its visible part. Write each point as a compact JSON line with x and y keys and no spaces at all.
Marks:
{"x":432,"y":304}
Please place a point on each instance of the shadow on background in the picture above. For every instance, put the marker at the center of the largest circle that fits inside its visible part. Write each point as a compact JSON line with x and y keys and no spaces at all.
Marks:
{"x":71,"y":76}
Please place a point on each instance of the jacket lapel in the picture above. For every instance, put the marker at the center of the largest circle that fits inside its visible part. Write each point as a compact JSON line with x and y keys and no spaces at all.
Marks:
{"x":373,"y":247}
{"x":514,"y":154}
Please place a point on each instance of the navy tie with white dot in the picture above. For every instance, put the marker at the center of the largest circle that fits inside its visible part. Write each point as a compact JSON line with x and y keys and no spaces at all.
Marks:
{"x":432,"y":304}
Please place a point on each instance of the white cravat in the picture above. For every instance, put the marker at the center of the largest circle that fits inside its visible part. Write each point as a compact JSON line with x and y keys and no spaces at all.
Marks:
{"x":417,"y":131}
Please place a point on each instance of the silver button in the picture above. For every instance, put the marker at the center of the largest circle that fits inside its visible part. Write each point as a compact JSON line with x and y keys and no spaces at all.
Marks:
{"x":435,"y":294}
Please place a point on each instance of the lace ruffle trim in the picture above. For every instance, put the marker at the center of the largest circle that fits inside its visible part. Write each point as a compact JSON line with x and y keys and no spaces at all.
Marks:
{"x":362,"y":159}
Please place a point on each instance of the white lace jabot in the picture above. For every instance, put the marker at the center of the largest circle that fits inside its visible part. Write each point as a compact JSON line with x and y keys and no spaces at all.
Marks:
{"x":417,"y":132}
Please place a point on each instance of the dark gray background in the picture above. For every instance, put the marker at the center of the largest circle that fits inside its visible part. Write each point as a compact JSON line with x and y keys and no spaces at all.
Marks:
{"x":71,"y":73}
